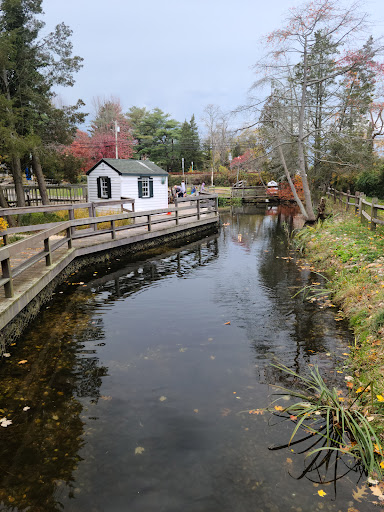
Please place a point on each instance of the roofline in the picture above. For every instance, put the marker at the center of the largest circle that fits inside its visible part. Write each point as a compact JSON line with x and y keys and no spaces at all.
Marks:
{"x":109,"y":165}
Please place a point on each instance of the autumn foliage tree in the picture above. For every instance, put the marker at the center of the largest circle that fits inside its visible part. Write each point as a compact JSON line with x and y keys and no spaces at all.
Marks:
{"x":292,"y":72}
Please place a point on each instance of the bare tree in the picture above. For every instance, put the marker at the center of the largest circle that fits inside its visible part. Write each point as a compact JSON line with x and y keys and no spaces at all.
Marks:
{"x":293,"y":72}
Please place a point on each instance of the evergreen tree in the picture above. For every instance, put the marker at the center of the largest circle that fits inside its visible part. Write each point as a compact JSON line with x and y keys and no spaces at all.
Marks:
{"x":29,"y":68}
{"x":189,"y":144}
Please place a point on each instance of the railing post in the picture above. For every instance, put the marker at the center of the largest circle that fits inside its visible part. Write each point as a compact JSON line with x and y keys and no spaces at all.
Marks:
{"x":373,"y":213}
{"x":217,"y":205}
{"x":149,"y":222}
{"x":177,"y":214}
{"x":348,"y":194}
{"x":7,"y":274}
{"x":113,"y":228}
{"x":198,"y":209}
{"x":71,"y":216}
{"x":357,"y":194}
{"x":361,"y":197}
{"x":47,"y":249}
{"x":93,"y":210}
{"x":5,"y":239}
{"x":69,"y":237}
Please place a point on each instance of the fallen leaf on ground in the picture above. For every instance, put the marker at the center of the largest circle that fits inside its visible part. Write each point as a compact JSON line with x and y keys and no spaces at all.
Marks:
{"x":26,"y":408}
{"x":23,"y":361}
{"x":350,"y":385}
{"x":7,"y":354}
{"x":359,"y":493}
{"x":380,"y":398}
{"x":293,"y":418}
{"x":289,"y":461}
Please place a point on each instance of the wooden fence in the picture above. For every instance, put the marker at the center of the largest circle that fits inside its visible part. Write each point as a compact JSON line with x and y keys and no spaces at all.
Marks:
{"x":56,"y":193}
{"x":368,"y":211}
{"x":68,"y":230}
{"x":250,"y":193}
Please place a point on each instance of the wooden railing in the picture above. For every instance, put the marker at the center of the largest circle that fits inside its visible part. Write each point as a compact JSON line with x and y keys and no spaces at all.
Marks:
{"x":249,"y":192}
{"x":56,"y":194}
{"x":368,"y":211}
{"x":198,"y":206}
{"x":71,"y":208}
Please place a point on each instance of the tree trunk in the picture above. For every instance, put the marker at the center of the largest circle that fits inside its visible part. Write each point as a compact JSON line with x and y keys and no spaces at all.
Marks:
{"x":18,"y":180}
{"x":40,"y":176}
{"x":291,"y":184}
{"x":300,"y":143}
{"x":4,"y":204}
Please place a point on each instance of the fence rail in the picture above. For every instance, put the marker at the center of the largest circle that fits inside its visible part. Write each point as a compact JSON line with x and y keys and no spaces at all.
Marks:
{"x":368,"y":211}
{"x":249,"y":192}
{"x":56,"y":193}
{"x":68,"y":232}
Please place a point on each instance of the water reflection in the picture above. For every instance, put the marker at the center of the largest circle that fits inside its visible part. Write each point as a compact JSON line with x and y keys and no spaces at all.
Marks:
{"x":140,"y":389}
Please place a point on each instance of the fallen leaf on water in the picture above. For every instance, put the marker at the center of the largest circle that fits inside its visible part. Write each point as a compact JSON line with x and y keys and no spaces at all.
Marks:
{"x":182,"y":349}
{"x":279,"y":408}
{"x":225,"y":412}
{"x":162,"y":398}
{"x":139,"y":450}
{"x":256,"y":411}
{"x":4,"y":422}
{"x":359,"y":493}
{"x":105,"y":397}
{"x":196,"y":410}
{"x":23,"y":361}
{"x":321,"y":493}
{"x":212,"y":357}
{"x":227,"y":323}
{"x":293,"y":418}
{"x":289,"y":461}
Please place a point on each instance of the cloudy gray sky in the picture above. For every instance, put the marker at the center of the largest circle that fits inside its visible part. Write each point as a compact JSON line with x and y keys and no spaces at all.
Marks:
{"x":178,"y":55}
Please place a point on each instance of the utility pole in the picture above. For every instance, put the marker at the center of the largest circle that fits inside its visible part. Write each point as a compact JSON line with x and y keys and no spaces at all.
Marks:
{"x":117,"y":129}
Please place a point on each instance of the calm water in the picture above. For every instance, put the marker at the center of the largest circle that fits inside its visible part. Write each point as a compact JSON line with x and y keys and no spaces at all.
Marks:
{"x":139,"y":394}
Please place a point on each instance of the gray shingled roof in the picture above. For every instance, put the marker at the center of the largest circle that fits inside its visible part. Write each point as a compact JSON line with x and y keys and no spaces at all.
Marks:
{"x":133,"y":167}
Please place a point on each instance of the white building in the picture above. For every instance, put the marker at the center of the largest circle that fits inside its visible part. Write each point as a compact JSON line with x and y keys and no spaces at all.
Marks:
{"x":141,"y":180}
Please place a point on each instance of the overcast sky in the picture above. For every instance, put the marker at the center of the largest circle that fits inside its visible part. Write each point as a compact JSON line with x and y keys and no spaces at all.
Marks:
{"x":178,"y":55}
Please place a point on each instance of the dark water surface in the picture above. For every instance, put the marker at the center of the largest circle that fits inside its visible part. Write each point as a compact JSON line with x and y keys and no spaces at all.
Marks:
{"x":139,"y":394}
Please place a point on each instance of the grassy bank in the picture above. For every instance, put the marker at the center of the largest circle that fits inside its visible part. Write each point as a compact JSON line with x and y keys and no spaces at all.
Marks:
{"x":352,"y":259}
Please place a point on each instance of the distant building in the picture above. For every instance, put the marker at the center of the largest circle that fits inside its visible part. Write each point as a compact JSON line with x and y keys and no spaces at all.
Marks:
{"x":141,"y":180}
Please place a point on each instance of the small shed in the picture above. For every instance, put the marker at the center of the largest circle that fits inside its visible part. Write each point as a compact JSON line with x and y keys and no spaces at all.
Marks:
{"x":141,"y":180}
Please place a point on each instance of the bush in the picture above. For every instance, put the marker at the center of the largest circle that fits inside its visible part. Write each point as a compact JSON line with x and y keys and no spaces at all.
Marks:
{"x":31,"y":219}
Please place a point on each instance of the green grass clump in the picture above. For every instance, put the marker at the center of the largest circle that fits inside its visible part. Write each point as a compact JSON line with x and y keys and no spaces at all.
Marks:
{"x":344,"y":424}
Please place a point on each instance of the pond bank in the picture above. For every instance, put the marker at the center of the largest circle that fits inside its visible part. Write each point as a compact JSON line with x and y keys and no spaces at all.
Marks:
{"x":351,"y":258}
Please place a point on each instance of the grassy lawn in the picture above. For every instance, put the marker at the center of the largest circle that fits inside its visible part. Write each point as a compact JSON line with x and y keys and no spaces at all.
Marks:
{"x":352,"y":258}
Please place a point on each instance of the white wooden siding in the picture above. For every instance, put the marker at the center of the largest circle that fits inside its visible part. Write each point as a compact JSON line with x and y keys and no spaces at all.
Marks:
{"x":127,"y":186}
{"x":130,"y":188}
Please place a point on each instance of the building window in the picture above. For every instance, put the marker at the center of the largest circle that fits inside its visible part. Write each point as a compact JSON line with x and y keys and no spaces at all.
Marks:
{"x":145,"y":182}
{"x":104,"y":187}
{"x":145,"y":187}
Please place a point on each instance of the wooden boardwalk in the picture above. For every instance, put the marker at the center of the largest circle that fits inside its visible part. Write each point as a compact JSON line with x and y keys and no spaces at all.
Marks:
{"x":31,"y":264}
